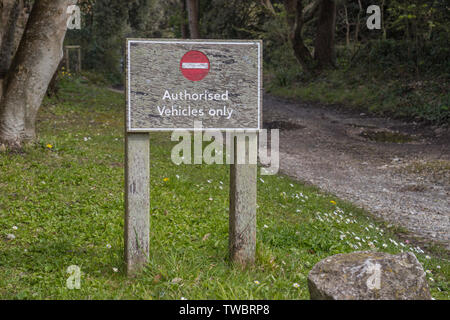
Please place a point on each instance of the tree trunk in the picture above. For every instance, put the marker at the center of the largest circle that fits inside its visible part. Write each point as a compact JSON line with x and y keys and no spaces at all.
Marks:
{"x":358,"y":22}
{"x":324,"y":52}
{"x":184,"y":25}
{"x":382,"y":20}
{"x":33,"y":66}
{"x":347,"y":27}
{"x":192,"y":8}
{"x":13,"y":18}
{"x":294,"y":17}
{"x":9,"y":18}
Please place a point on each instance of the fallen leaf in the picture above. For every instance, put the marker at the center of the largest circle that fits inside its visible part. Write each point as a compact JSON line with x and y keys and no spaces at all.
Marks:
{"x":176,"y":280}
{"x":206,"y":236}
{"x":156,"y":278}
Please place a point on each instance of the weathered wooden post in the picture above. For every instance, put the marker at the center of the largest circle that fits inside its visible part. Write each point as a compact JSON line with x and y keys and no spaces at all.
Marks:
{"x":137,"y":201}
{"x":79,"y":59}
{"x":242,"y":220}
{"x":66,"y":49}
{"x":171,"y":85}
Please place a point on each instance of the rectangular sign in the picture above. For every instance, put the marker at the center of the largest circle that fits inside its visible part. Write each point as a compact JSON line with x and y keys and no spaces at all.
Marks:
{"x":172,"y":83}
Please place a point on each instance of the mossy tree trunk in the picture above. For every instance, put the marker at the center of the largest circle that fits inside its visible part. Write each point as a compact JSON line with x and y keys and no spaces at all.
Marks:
{"x":36,"y":59}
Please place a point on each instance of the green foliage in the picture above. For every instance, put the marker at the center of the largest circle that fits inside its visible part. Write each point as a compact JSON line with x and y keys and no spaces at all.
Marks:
{"x":367,"y":90}
{"x":418,"y":20}
{"x":231,"y":19}
{"x":105,"y":25}
{"x":403,"y":76}
{"x":395,"y":58}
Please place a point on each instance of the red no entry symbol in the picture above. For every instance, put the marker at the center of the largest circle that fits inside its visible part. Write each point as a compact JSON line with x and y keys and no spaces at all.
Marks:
{"x":194,"y":65}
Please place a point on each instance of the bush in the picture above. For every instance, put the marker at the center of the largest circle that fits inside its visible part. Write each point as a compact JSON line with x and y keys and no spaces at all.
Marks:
{"x":402,"y":57}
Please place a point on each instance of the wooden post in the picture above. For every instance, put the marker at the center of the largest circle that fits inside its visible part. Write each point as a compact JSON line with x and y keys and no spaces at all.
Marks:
{"x":137,"y":201}
{"x":67,"y":58}
{"x":79,"y":59}
{"x":242,"y":220}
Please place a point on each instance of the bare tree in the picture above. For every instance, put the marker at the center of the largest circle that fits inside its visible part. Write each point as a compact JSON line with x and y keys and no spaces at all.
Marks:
{"x":358,"y":21}
{"x":324,"y":52}
{"x":295,"y":20}
{"x":36,"y":59}
{"x":192,"y":9}
{"x":347,"y":26}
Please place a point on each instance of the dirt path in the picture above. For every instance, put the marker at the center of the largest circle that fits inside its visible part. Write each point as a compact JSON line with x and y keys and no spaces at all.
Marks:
{"x":352,"y":156}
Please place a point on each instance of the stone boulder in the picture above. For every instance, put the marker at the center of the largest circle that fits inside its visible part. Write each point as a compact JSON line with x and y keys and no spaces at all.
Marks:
{"x":368,"y":275}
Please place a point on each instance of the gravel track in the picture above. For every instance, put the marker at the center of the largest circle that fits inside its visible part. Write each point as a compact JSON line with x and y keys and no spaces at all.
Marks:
{"x":346,"y":153}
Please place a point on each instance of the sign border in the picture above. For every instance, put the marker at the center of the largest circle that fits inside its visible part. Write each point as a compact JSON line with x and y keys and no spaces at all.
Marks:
{"x":194,"y":41}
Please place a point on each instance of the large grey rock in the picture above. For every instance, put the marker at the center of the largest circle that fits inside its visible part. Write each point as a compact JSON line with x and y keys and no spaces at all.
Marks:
{"x":367,"y":275}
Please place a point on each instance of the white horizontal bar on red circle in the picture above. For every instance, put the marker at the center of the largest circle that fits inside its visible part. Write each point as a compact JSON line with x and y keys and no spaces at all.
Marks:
{"x":194,"y":65}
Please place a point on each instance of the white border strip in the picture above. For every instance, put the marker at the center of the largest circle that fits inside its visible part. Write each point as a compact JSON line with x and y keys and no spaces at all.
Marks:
{"x":130,"y":129}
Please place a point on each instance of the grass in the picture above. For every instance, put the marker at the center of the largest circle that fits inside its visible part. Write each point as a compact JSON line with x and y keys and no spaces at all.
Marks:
{"x":375,"y":87}
{"x":63,"y":201}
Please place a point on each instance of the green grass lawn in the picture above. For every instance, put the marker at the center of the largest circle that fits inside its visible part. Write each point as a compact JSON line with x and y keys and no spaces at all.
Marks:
{"x":63,"y":200}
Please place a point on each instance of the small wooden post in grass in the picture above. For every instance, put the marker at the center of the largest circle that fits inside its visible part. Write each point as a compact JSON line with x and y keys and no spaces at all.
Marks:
{"x":137,"y":201}
{"x":67,"y":58}
{"x":242,"y":220}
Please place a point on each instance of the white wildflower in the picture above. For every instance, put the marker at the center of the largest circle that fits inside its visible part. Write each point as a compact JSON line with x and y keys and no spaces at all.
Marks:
{"x":10,"y":236}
